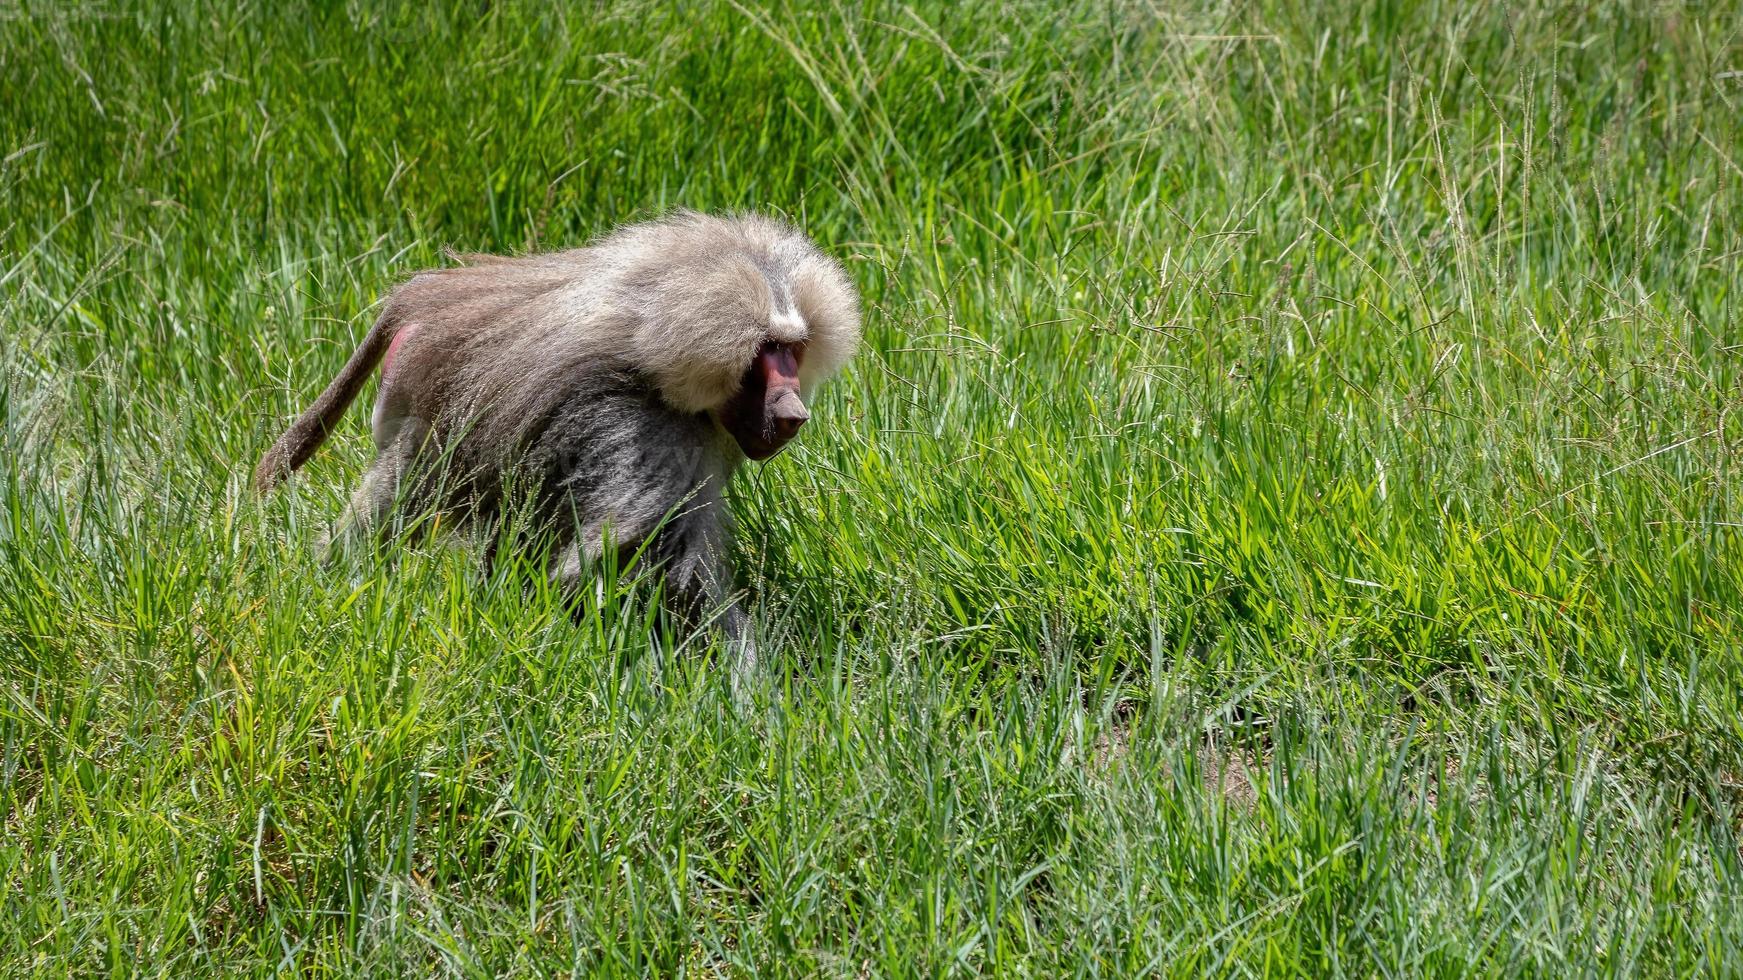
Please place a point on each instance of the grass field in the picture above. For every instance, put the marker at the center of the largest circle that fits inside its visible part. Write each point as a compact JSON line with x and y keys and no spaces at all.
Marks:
{"x":1287,"y":518}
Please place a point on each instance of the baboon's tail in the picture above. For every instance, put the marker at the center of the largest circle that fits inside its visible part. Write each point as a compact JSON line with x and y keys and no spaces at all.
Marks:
{"x":311,"y":428}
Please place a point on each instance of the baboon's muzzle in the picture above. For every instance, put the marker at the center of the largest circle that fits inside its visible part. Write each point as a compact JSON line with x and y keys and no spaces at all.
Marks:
{"x":768,"y":411}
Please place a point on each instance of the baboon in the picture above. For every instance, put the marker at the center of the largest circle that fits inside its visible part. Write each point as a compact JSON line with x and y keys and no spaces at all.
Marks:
{"x":619,"y":385}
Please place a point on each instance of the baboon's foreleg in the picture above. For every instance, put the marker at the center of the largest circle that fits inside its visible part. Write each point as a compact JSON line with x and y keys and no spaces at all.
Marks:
{"x":694,"y":552}
{"x":691,"y":548}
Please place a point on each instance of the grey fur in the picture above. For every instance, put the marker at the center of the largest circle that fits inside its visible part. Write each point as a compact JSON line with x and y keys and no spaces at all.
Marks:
{"x":595,"y":378}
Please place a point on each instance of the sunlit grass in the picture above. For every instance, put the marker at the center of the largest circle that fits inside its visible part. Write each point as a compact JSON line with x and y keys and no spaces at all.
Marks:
{"x":1286,"y":519}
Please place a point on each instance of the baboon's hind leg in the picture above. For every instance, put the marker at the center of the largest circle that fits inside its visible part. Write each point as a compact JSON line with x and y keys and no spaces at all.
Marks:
{"x":367,"y":519}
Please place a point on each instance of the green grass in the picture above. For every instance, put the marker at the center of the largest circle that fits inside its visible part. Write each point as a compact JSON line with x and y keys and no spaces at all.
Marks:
{"x":1287,"y":518}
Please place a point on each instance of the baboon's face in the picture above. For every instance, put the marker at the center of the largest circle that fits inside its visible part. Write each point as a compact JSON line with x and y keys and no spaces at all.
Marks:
{"x":768,"y":410}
